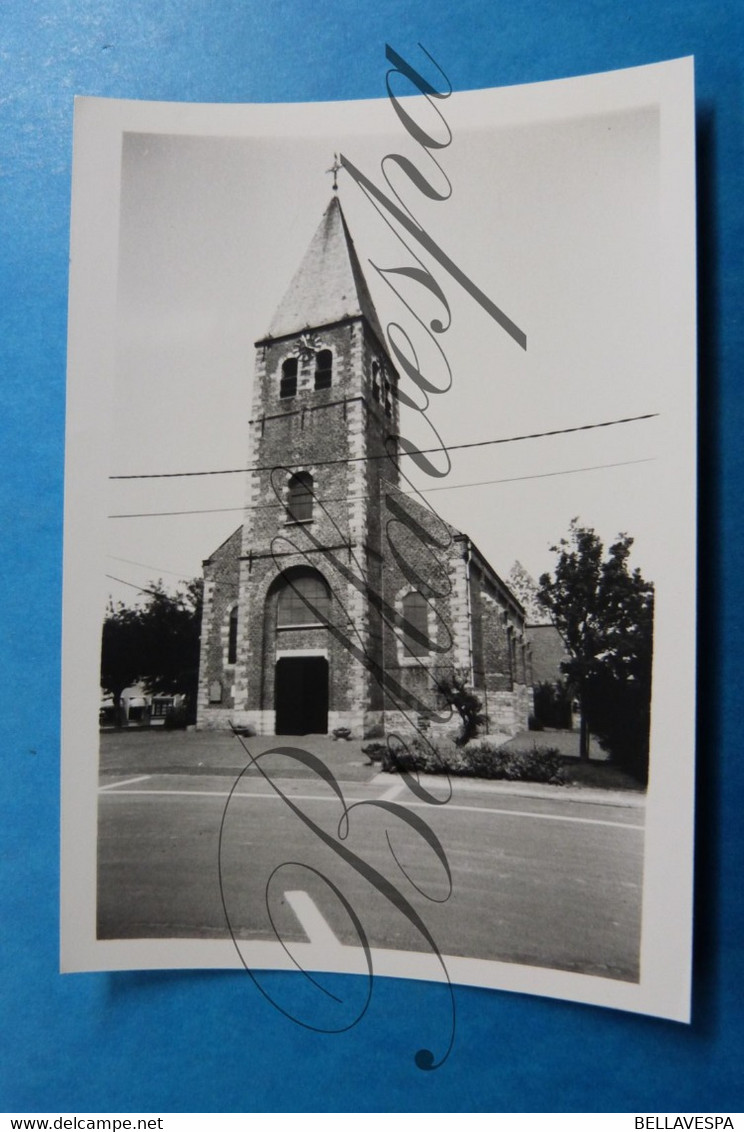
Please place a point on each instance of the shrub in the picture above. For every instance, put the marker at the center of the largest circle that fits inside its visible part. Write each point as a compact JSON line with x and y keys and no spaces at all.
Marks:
{"x":374,"y":751}
{"x":619,"y":714}
{"x":439,"y":756}
{"x":540,"y":764}
{"x":481,"y":759}
{"x":246,"y":732}
{"x":466,"y":703}
{"x":552,"y":706}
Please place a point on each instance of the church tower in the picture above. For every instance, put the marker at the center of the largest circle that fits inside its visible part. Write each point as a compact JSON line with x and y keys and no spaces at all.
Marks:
{"x":281,"y":651}
{"x":342,"y":601}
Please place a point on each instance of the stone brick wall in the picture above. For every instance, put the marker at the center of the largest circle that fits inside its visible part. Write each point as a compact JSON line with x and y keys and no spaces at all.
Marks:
{"x":216,"y":675}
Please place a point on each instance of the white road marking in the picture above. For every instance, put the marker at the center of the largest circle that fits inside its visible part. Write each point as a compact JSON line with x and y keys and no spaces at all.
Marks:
{"x":530,"y":814}
{"x":316,"y":928}
{"x":393,"y":792}
{"x":125,"y":782}
{"x":411,"y":804}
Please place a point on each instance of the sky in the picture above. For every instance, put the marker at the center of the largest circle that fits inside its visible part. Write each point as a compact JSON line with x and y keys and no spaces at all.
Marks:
{"x":555,"y":216}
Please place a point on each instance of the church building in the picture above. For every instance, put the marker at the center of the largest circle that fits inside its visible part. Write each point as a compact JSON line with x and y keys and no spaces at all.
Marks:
{"x":343,"y":600}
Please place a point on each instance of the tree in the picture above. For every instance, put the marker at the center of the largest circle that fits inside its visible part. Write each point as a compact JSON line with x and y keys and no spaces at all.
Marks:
{"x":156,"y":643}
{"x":121,"y":653}
{"x":604,"y":613}
{"x":466,"y":703}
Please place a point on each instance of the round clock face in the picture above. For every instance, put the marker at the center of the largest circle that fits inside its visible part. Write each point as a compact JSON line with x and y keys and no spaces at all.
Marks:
{"x":309,"y":344}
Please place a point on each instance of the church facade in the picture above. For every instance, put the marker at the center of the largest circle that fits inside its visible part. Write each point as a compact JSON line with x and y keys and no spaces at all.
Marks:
{"x":342,"y":601}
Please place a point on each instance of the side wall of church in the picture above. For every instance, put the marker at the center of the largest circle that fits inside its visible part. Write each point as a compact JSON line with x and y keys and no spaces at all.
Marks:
{"x":216,"y":702}
{"x":473,"y":626}
{"x":501,"y":663}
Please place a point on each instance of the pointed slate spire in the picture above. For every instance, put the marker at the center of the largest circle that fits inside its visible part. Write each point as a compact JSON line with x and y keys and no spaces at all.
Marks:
{"x":329,"y":285}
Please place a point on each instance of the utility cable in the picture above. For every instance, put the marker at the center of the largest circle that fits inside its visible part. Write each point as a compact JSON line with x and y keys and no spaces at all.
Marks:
{"x":422,"y":491}
{"x":418,"y":452}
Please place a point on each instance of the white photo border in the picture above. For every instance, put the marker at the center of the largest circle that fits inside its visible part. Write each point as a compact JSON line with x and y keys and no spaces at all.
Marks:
{"x":664,"y":986}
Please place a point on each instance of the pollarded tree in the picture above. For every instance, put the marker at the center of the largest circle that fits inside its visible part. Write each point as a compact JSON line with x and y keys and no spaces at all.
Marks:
{"x":604,"y":613}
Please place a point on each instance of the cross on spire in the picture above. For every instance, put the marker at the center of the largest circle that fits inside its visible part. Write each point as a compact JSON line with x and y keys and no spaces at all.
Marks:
{"x":335,"y":169}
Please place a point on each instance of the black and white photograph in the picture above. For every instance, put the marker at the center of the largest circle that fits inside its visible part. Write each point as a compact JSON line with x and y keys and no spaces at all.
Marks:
{"x":379,"y":623}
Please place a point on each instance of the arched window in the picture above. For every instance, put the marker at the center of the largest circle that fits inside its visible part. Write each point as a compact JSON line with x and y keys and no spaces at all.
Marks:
{"x":376,"y":381}
{"x":304,"y":599}
{"x":232,"y":637}
{"x":300,"y":498}
{"x":416,"y":616}
{"x":323,"y":369}
{"x":390,"y":392}
{"x":288,"y":383}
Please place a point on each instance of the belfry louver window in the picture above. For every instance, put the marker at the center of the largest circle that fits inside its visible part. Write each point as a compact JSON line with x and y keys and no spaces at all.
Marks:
{"x":288,"y":383}
{"x":323,"y":369}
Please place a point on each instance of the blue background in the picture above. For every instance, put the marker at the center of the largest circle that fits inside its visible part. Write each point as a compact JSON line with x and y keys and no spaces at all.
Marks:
{"x":191,"y":1041}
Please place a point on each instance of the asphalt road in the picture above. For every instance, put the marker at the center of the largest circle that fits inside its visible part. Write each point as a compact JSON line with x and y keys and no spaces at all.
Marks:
{"x":545,"y":877}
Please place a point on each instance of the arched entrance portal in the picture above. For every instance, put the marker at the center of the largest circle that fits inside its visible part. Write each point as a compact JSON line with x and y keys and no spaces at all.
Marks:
{"x":301,"y":695}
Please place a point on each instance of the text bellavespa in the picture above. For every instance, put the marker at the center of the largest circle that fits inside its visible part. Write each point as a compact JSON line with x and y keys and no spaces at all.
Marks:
{"x":699,"y":1123}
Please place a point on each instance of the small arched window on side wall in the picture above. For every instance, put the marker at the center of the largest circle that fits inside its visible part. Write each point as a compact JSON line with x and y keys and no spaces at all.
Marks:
{"x":304,"y":599}
{"x":288,"y":383}
{"x":232,"y":636}
{"x":416,"y":617}
{"x":323,"y":369}
{"x":376,"y":381}
{"x":300,"y":498}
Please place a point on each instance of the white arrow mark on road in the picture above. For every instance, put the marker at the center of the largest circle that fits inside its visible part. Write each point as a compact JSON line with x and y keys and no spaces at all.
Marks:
{"x":315,"y":927}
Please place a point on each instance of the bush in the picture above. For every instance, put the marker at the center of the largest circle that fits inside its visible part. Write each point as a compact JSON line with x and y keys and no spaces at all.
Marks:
{"x":247,"y":731}
{"x":476,"y":760}
{"x":552,"y":707}
{"x":439,"y":756}
{"x":374,"y":751}
{"x":466,"y":703}
{"x":540,"y":764}
{"x":619,"y":714}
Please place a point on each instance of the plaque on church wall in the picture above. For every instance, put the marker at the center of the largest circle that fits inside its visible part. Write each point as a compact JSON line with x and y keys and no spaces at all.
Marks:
{"x":380,"y":466}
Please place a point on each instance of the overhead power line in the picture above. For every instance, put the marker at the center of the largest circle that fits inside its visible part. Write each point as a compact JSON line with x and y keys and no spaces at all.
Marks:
{"x":422,"y":491}
{"x":147,"y":565}
{"x":140,"y":589}
{"x":363,"y":459}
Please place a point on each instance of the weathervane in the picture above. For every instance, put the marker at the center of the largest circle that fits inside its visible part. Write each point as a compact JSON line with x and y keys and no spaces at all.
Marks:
{"x":334,"y":169}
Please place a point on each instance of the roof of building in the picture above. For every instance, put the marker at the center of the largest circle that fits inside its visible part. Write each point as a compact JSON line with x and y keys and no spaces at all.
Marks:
{"x":329,"y":285}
